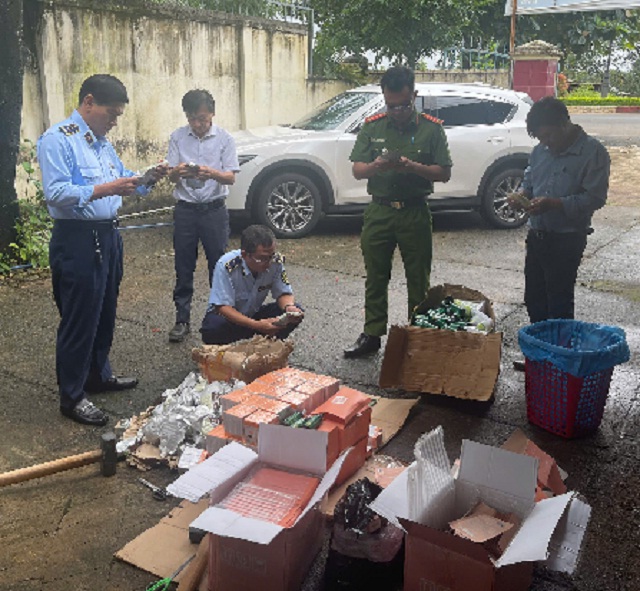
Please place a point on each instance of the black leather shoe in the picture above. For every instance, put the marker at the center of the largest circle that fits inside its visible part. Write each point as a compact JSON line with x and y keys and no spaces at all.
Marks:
{"x":179,"y":332}
{"x":113,"y":384}
{"x":363,"y":346}
{"x":87,"y":413}
{"x":519,"y":365}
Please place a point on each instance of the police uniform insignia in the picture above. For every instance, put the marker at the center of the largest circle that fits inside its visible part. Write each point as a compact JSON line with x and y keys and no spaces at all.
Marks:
{"x":234,"y":263}
{"x":88,"y":137}
{"x":284,"y":277}
{"x":432,"y":118}
{"x":70,"y":129}
{"x":278,"y":258}
{"x":375,"y":117}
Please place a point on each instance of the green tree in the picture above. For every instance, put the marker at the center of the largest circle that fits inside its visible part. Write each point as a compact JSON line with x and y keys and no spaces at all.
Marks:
{"x":11,"y":70}
{"x":402,"y":32}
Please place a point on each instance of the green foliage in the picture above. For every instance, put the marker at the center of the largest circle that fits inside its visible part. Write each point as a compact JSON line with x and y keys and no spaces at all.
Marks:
{"x":33,"y":227}
{"x":402,"y":32}
{"x":596,"y":100}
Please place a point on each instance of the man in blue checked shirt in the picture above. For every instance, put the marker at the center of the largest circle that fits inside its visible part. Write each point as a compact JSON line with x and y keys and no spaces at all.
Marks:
{"x":204,"y":163}
{"x":84,"y":182}
{"x":566,"y":181}
{"x":241,"y":282}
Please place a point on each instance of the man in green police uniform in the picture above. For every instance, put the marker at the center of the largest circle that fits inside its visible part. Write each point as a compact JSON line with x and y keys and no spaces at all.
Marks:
{"x":401,"y":153}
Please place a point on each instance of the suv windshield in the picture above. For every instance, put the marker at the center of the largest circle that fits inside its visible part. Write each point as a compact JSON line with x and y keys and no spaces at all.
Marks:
{"x":334,"y":112}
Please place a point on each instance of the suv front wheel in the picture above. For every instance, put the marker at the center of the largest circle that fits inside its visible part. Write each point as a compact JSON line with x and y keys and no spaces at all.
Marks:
{"x":495,"y":208}
{"x":289,"y":204}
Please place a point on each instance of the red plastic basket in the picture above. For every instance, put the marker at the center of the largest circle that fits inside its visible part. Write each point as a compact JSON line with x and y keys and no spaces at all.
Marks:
{"x":562,"y":403}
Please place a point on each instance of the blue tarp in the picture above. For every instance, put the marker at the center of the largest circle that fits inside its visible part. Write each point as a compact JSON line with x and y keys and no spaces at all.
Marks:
{"x":577,"y":348}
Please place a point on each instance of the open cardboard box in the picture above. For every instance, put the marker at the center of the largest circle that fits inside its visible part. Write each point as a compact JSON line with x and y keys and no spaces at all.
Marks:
{"x":244,"y":360}
{"x":458,"y":364}
{"x":425,"y":498}
{"x":249,"y":554}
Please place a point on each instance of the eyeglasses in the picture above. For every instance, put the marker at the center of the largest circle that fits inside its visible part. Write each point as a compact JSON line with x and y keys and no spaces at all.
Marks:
{"x":262,"y":260}
{"x":399,"y":108}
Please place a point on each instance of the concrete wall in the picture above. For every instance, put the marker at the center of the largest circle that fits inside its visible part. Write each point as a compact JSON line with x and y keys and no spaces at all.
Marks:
{"x":493,"y":77}
{"x":255,"y":68}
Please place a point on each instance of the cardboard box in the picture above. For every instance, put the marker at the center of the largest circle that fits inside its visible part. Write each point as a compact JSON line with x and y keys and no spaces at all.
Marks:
{"x":248,"y":554}
{"x":344,"y":405}
{"x":425,"y":498}
{"x":458,"y":364}
{"x":353,"y":462}
{"x":245,"y":360}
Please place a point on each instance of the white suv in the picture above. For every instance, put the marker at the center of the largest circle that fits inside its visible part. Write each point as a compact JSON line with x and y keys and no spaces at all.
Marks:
{"x":292,"y":175}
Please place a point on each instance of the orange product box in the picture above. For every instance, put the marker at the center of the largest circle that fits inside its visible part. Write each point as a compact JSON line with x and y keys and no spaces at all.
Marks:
{"x":353,"y":462}
{"x":356,"y":429}
{"x":375,"y":438}
{"x":329,"y":384}
{"x":344,"y":405}
{"x":333,"y":431}
{"x":261,"y":388}
{"x":277,"y":407}
{"x":297,"y":400}
{"x":217,"y":438}
{"x":234,"y":397}
{"x":280,"y":389}
{"x":315,"y":391}
{"x":251,"y":424}
{"x":277,"y":496}
{"x":233,"y":418}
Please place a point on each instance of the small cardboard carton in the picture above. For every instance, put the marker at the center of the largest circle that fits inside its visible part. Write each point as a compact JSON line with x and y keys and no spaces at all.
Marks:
{"x":248,"y":554}
{"x":458,"y":364}
{"x":245,"y":360}
{"x":425,"y":498}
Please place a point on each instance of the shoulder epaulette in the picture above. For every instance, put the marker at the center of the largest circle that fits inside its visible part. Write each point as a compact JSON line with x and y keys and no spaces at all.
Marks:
{"x":233,"y":263}
{"x":375,"y":117}
{"x":278,"y":258}
{"x":432,"y":118}
{"x":70,"y":129}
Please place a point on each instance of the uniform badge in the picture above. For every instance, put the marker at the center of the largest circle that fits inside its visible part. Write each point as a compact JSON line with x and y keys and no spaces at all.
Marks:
{"x":88,"y":137}
{"x":233,"y":263}
{"x":284,"y":277}
{"x":278,"y":258}
{"x":70,"y":129}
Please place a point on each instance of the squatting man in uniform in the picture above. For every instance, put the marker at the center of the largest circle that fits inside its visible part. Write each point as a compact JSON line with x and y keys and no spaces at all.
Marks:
{"x":241,"y":282}
{"x":401,"y":153}
{"x":566,"y":181}
{"x":84,"y":182}
{"x":204,"y":161}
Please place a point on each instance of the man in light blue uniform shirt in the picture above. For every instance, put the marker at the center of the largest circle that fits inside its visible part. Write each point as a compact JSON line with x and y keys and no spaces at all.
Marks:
{"x":241,"y":282}
{"x":566,"y":181}
{"x":204,"y":163}
{"x":84,"y":182}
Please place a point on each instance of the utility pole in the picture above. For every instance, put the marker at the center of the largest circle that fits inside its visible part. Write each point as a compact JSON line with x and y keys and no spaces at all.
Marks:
{"x":512,"y":38}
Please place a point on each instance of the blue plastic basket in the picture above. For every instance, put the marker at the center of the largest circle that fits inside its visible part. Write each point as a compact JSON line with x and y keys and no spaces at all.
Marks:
{"x":568,"y":368}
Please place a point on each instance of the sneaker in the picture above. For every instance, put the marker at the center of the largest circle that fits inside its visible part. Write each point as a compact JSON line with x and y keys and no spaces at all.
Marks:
{"x":179,"y":332}
{"x":87,"y":413}
{"x":519,"y":365}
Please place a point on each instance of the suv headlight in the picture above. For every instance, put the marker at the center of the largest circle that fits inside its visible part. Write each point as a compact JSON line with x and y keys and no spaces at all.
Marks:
{"x":244,"y":158}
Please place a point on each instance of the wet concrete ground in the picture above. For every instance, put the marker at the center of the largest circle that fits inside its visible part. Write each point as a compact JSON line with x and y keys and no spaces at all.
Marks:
{"x":60,"y":532}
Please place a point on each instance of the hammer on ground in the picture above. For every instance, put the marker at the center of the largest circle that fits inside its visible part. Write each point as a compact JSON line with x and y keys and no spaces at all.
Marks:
{"x":106,"y":455}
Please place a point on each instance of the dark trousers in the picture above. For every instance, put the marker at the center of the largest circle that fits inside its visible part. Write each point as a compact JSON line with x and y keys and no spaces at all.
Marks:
{"x":86,"y":271}
{"x":207,"y":223}
{"x":217,"y":330}
{"x":550,"y":272}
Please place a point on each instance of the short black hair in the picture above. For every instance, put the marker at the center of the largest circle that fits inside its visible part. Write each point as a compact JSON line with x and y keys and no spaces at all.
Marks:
{"x":105,"y":89}
{"x":194,"y":99}
{"x":548,"y":111}
{"x":397,"y":78}
{"x":254,"y":236}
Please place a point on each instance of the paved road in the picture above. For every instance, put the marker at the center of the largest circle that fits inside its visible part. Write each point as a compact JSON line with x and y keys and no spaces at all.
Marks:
{"x":613,"y":129}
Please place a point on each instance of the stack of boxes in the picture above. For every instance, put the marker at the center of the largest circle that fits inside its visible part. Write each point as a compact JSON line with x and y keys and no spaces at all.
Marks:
{"x":276,"y":395}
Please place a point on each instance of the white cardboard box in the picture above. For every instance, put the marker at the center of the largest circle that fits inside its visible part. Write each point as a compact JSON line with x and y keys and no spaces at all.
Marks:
{"x":425,"y":498}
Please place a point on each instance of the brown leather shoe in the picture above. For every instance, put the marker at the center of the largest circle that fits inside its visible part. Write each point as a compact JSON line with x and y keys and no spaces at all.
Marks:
{"x":365,"y":345}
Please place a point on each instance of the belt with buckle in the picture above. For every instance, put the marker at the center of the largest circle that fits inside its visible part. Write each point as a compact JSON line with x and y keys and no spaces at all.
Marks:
{"x":215,"y":204}
{"x":76,"y":225}
{"x":400,"y":204}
